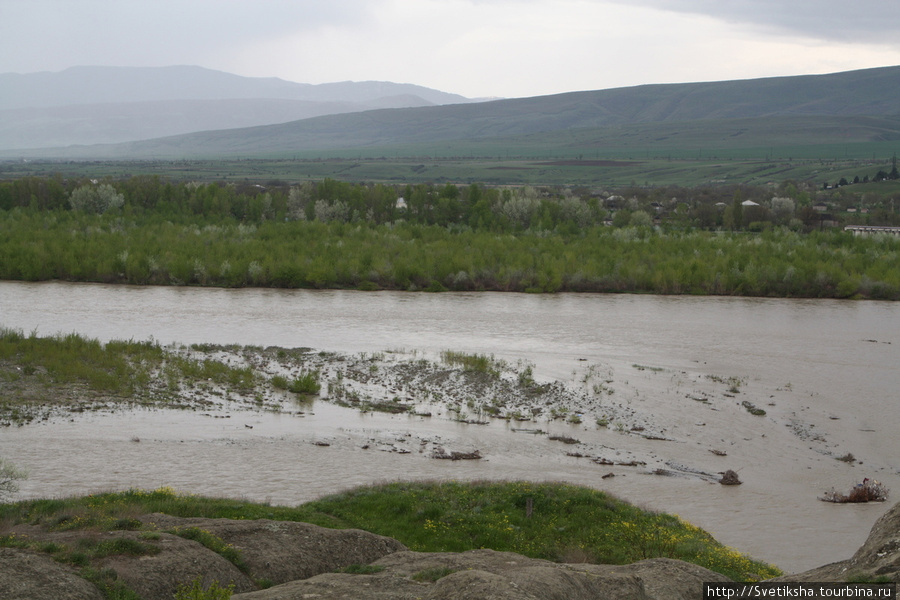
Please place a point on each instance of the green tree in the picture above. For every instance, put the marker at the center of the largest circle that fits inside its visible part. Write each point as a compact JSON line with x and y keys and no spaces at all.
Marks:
{"x":782,"y":208}
{"x":640,"y":218}
{"x":622,"y":218}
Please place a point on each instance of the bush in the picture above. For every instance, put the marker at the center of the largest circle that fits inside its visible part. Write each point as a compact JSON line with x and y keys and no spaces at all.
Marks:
{"x":195,"y":591}
{"x":307,"y":383}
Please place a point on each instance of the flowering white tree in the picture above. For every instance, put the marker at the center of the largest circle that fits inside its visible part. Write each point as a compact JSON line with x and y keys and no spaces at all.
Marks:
{"x":783,"y":208}
{"x":9,"y":477}
{"x":98,"y":199}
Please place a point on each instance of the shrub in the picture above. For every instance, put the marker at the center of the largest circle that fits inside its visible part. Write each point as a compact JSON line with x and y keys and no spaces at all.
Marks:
{"x":481,"y":363}
{"x":195,"y":591}
{"x":307,"y":383}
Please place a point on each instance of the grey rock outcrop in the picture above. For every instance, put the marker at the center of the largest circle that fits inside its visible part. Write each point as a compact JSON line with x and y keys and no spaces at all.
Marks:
{"x":282,"y":551}
{"x":878,"y":557}
{"x":491,"y":575}
{"x":27,"y":575}
{"x":180,"y":561}
{"x":299,"y":560}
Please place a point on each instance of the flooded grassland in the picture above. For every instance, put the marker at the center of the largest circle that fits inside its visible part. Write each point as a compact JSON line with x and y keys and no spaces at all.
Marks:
{"x":648,"y":398}
{"x":660,"y":437}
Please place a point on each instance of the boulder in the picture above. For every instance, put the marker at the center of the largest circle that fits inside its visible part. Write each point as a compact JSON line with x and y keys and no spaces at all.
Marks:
{"x":343,"y":586}
{"x":878,"y":557}
{"x":282,"y":551}
{"x":272,"y":552}
{"x":491,"y":575}
{"x":179,"y":562}
{"x":27,"y":575}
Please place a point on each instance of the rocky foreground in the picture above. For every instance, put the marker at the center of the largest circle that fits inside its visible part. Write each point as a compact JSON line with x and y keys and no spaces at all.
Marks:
{"x":298,"y":560}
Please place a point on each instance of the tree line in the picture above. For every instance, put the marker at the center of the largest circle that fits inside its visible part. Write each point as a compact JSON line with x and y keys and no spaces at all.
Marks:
{"x":499,"y":209}
{"x":154,"y":250}
{"x":330,"y":234}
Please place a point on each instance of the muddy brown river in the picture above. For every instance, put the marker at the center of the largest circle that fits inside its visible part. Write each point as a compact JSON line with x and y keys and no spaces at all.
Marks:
{"x":825,"y":371}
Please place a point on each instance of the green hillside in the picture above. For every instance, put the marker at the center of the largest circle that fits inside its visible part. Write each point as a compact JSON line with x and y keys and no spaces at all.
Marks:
{"x":749,"y":131}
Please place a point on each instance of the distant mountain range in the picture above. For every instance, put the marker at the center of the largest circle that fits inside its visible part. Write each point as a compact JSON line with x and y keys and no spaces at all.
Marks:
{"x":91,"y":105}
{"x":859,"y":105}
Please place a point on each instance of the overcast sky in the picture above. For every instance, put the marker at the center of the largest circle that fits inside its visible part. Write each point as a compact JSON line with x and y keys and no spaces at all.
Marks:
{"x":477,"y":48}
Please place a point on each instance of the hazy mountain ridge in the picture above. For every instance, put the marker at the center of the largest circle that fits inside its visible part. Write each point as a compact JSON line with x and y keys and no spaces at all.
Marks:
{"x":93,"y":105}
{"x":127,"y":121}
{"x":104,"y":85}
{"x":730,"y":109}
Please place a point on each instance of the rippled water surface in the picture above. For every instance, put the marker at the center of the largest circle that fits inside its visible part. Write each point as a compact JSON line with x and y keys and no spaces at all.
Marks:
{"x":827,"y":364}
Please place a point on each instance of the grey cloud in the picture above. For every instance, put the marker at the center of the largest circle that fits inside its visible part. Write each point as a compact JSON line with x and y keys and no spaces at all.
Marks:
{"x":42,"y":34}
{"x":864,"y":21}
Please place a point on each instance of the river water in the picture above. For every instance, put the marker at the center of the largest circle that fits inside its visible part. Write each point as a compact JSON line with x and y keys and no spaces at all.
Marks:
{"x":824,"y":370}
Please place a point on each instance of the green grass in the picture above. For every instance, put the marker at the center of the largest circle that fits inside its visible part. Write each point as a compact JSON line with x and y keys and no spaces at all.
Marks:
{"x":565,"y":521}
{"x":214,"y":543}
{"x":68,"y":370}
{"x":181,"y":367}
{"x":116,"y":367}
{"x":124,"y":546}
{"x":119,"y":367}
{"x":480,"y":363}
